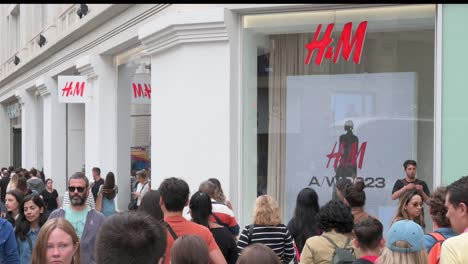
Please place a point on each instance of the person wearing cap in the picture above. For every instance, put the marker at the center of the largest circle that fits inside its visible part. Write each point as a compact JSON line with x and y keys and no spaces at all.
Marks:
{"x":454,"y":249}
{"x":405,"y":244}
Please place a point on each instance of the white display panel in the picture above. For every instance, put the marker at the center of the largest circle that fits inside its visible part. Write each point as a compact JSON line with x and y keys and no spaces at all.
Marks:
{"x":382,"y":108}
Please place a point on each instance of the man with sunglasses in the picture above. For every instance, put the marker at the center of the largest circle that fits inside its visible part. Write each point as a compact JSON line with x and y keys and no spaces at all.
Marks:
{"x":85,"y":220}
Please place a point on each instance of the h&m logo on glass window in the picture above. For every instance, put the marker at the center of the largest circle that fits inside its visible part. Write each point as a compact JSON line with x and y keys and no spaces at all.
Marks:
{"x":345,"y":43}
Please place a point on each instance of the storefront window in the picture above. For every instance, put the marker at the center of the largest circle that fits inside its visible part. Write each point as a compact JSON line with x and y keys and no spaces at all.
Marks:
{"x":371,"y":68}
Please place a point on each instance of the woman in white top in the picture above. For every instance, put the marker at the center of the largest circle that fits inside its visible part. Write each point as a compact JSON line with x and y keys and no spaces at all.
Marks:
{"x":143,"y":186}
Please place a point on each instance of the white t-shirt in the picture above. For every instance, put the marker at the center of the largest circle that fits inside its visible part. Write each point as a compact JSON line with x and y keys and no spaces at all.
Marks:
{"x":142,"y":189}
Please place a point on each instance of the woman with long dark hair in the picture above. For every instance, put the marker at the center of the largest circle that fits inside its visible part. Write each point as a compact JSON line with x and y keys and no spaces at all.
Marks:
{"x":106,"y":196}
{"x":305,"y":222}
{"x":150,"y":204}
{"x":200,"y":210}
{"x":13,"y":199}
{"x":32,"y":215}
{"x":22,"y":185}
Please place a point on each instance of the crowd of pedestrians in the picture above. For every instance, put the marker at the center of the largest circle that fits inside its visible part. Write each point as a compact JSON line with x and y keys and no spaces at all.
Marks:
{"x":36,"y":227}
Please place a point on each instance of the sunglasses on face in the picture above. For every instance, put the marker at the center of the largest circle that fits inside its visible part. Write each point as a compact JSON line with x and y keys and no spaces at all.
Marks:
{"x":73,"y":189}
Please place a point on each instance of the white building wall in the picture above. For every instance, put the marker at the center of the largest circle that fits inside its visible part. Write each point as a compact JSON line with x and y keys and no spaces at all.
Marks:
{"x":195,"y":114}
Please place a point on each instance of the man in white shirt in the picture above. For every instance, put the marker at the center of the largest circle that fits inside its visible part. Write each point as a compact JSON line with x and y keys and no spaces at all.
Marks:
{"x":454,"y":249}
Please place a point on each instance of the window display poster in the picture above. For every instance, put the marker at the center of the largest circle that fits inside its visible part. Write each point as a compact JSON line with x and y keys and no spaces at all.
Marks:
{"x":380,"y":109}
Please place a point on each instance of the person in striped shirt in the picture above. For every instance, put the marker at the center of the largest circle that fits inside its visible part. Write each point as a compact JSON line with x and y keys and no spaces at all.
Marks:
{"x":221,"y":213}
{"x":267,"y":229}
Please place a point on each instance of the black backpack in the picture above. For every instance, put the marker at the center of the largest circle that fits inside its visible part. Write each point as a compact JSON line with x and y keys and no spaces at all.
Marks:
{"x":344,"y":255}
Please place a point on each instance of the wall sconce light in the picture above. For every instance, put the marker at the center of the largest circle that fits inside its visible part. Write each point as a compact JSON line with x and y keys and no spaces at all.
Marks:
{"x":41,"y":41}
{"x":16,"y":60}
{"x":82,"y":11}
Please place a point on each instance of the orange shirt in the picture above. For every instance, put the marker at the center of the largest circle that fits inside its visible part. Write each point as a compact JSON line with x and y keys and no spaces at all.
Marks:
{"x":182,"y":226}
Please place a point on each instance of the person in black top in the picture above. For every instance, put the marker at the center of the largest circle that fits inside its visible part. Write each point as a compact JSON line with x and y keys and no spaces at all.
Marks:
{"x":200,"y":210}
{"x":50,"y":196}
{"x":304,"y":223}
{"x":410,"y":182}
{"x":3,"y":187}
{"x":98,"y":181}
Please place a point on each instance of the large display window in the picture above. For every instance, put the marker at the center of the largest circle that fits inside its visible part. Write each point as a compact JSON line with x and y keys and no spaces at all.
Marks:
{"x":307,"y":74}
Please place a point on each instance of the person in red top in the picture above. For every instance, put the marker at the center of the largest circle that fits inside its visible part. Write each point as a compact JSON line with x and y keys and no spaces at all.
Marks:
{"x":369,"y":234}
{"x":174,"y":197}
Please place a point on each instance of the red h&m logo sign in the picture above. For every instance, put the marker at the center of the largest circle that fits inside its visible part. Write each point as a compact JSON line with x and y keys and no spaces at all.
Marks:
{"x":139,"y":92}
{"x":69,"y":90}
{"x":345,"y":45}
{"x":73,"y":89}
{"x":141,"y":88}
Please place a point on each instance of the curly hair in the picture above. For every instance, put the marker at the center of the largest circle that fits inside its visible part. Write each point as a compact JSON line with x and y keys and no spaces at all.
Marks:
{"x":437,"y":208}
{"x":266,"y":211}
{"x":336,"y":215}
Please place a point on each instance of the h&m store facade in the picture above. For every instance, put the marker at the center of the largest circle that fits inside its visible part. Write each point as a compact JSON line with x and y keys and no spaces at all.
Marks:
{"x":258,"y":96}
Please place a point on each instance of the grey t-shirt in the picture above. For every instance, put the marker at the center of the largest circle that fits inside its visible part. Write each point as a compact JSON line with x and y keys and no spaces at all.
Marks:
{"x":36,"y":185}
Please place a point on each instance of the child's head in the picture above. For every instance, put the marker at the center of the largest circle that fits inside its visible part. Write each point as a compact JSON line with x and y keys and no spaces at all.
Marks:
{"x":369,"y":234}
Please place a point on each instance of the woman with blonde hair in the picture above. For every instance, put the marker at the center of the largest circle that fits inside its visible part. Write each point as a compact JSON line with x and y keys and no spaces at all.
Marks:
{"x":57,"y":242}
{"x":410,"y":207}
{"x":405,"y":244}
{"x":267,"y":229}
{"x":13,"y":182}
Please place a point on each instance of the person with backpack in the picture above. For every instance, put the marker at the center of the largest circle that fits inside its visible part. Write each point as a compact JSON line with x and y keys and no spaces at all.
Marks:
{"x":442,"y":227}
{"x":334,"y":245}
{"x":405,"y":244}
{"x":369,"y":239}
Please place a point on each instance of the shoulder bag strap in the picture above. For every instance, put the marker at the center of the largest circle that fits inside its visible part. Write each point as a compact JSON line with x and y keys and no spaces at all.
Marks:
{"x":169,"y":228}
{"x":347,"y":242}
{"x":251,"y":228}
{"x":437,"y":236}
{"x":217,"y":219}
{"x":143,"y":187}
{"x":331,"y":241}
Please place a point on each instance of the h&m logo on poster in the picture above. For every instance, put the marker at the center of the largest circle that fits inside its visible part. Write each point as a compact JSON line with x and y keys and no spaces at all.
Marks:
{"x":73,"y":89}
{"x":344,"y":47}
